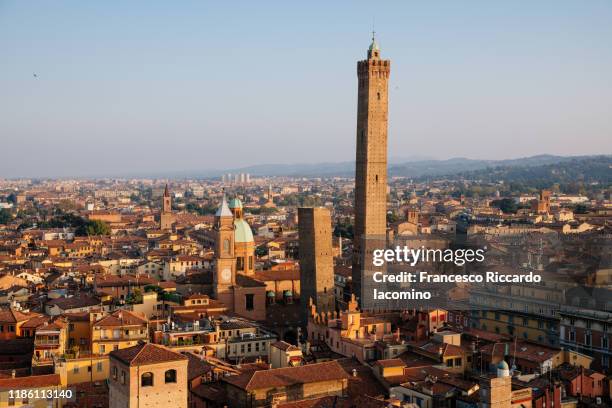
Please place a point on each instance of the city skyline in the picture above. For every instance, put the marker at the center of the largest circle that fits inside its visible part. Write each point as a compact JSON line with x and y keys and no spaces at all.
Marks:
{"x":182,"y":91}
{"x":205,"y":205}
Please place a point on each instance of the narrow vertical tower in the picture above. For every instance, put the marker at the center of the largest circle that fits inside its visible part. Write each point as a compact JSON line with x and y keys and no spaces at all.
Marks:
{"x":316,"y":260}
{"x":371,"y":163}
{"x":167,"y":204}
{"x":224,"y":277}
{"x":166,"y":218}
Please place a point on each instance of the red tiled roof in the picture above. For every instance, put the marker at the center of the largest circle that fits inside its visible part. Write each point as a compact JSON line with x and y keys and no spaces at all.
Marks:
{"x":146,"y":353}
{"x":8,"y":315}
{"x":121,"y":318}
{"x":392,"y":362}
{"x":323,"y":402}
{"x":278,"y":275}
{"x":282,"y":377}
{"x":283,"y":345}
{"x":35,"y":322}
{"x":33,"y":381}
{"x":74,"y":302}
{"x":248,"y":282}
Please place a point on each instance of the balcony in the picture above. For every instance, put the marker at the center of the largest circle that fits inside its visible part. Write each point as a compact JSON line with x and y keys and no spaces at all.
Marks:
{"x":123,"y":337}
{"x":46,"y":342}
{"x":173,"y":341}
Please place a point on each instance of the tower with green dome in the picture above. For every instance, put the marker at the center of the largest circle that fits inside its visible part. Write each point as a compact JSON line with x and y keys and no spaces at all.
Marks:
{"x":243,"y":239}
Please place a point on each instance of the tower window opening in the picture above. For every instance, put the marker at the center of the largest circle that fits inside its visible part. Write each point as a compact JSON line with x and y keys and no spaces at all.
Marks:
{"x":377,"y":178}
{"x":250,"y":301}
{"x":378,"y":95}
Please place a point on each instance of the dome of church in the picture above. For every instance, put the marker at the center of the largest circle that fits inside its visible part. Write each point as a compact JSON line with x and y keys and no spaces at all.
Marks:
{"x":235,"y":203}
{"x":242,"y":231}
{"x":503,"y":370}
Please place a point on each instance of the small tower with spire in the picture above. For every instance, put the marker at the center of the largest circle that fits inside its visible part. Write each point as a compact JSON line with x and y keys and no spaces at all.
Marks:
{"x":374,"y":49}
{"x":225,"y":259}
{"x":167,"y":201}
{"x":166,"y":219}
{"x":270,"y":198}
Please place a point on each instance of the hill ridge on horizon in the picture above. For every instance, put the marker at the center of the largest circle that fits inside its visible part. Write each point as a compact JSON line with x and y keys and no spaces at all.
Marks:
{"x":417,"y":167}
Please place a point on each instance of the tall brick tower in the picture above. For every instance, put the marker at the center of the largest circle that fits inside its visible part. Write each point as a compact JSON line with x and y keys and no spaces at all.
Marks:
{"x":371,"y":164}
{"x":316,"y":260}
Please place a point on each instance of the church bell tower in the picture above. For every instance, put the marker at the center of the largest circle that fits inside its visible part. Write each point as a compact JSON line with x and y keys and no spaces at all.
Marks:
{"x":225,"y":259}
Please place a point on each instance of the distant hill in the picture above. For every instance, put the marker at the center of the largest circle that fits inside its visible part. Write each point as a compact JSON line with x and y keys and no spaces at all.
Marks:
{"x":586,"y":169}
{"x":412,"y":168}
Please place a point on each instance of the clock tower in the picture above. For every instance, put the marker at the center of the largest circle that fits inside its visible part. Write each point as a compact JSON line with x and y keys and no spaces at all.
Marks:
{"x":225,"y":259}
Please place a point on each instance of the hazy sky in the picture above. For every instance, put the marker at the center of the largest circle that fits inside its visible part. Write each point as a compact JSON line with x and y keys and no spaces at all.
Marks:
{"x":126,"y":87}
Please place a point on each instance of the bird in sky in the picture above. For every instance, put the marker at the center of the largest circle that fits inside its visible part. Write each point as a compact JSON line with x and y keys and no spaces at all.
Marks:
{"x":35,"y":75}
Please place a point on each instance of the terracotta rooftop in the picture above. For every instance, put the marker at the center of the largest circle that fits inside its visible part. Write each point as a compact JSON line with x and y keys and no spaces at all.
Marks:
{"x":8,"y":315}
{"x":33,"y":381}
{"x":248,"y":282}
{"x":323,"y":402}
{"x":278,"y":275}
{"x":392,"y":362}
{"x":361,"y":379}
{"x":74,"y":302}
{"x":35,"y":322}
{"x":196,"y":367}
{"x":283,"y":345}
{"x":523,"y":350}
{"x":283,"y":377}
{"x":121,"y":318}
{"x":146,"y":353}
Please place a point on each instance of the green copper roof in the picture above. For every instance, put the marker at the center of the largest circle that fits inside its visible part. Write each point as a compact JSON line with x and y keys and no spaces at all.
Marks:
{"x":502,"y":365}
{"x":235,"y":203}
{"x":242,"y":232}
{"x":373,"y":44}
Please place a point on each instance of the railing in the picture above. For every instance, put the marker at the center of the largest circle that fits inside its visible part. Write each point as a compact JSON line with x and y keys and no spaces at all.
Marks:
{"x":46,"y":343}
{"x":186,"y":342}
{"x":136,"y":336}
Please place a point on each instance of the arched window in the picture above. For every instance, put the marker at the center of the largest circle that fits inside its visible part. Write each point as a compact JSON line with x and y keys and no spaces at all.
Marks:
{"x":146,"y":380}
{"x":226,"y":244}
{"x":170,"y":376}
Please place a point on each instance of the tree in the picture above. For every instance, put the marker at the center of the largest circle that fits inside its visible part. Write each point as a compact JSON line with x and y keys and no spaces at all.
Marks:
{"x":392,"y":218}
{"x":5,"y":216}
{"x":507,"y":205}
{"x":345,"y":230}
{"x":261,"y":250}
{"x":581,"y":209}
{"x":93,"y":227}
{"x":12,"y":198}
